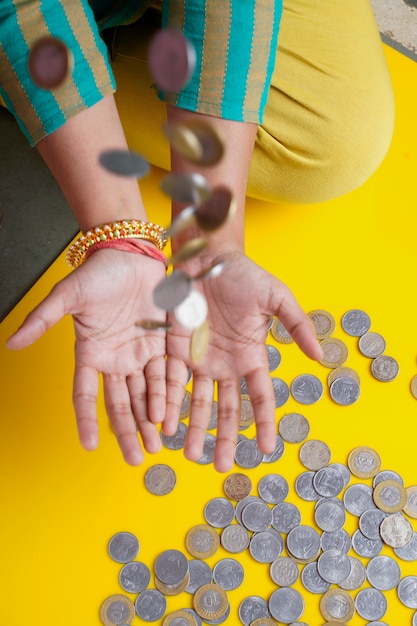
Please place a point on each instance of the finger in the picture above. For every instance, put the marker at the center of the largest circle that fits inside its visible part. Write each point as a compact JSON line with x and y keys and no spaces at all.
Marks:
{"x":261,"y":392}
{"x":201,"y":407}
{"x":155,"y":374}
{"x":297,"y":323}
{"x":227,"y":424}
{"x":177,"y":376}
{"x":84,"y":397}
{"x":119,"y":410}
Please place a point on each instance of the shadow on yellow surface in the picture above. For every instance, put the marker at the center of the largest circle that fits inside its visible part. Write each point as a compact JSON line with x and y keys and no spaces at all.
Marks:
{"x":61,"y":505}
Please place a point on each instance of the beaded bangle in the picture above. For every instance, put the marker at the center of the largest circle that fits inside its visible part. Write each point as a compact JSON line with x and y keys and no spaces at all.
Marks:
{"x":125,"y":229}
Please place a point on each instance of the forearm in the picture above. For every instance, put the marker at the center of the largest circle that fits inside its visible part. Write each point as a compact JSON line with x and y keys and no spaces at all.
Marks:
{"x":95,"y":195}
{"x":231,"y":172}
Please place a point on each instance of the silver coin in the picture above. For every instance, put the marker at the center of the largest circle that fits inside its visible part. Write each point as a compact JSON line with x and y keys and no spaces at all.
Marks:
{"x":371,"y":604}
{"x":370,"y":521}
{"x":358,"y":499}
{"x":241,"y":505}
{"x":273,"y":488}
{"x":330,"y":516}
{"x":281,"y":391}
{"x":252,"y":608}
{"x":286,"y":605}
{"x":284,"y":571}
{"x":124,"y":163}
{"x":328,"y":481}
{"x":192,"y":311}
{"x":219,"y":512}
{"x":371,"y":344}
{"x":409,"y":552}
{"x":200,"y":574}
{"x":266,"y":546}
{"x":312,"y":580}
{"x":214,"y":416}
{"x":186,"y":188}
{"x":123,"y":547}
{"x":345,"y":391}
{"x":334,"y":566}
{"x":274,"y":357}
{"x":150,"y":605}
{"x":306,"y":389}
{"x":185,"y":405}
{"x":344,"y":470}
{"x":256,"y":516}
{"x":356,"y":322}
{"x":247,"y":454}
{"x":396,"y":531}
{"x":357,"y":575}
{"x":228,"y":573}
{"x":171,"y":567}
{"x":338,"y":540}
{"x":304,"y":487}
{"x":285,"y":517}
{"x":384,"y":368}
{"x":407,"y":591}
{"x":134,"y":577}
{"x":208,"y":450}
{"x":367,"y":548}
{"x":314,"y":454}
{"x":303,"y":542}
{"x":294,"y":427}
{"x":172,"y":290}
{"x":243,"y":386}
{"x":171,"y":59}
{"x":277,"y":453}
{"x":197,"y":618}
{"x":387,"y":475}
{"x":383,"y":573}
{"x":177,"y":440}
{"x":235,"y":538}
{"x":160,"y":479}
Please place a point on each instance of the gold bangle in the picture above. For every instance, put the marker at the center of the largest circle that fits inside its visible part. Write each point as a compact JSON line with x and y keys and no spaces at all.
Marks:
{"x":124,"y":229}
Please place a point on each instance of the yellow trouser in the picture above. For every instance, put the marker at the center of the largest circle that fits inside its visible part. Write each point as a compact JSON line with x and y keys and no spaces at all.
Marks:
{"x":330,"y":112}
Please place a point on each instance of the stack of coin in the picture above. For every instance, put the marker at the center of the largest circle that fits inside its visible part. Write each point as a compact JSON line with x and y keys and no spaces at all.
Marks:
{"x":172,"y":574}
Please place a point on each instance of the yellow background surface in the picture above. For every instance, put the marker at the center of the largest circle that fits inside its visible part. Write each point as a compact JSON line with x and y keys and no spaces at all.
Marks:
{"x":60,"y":505}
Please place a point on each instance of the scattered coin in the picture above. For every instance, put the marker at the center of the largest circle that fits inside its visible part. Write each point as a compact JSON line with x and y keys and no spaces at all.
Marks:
{"x":124,"y":163}
{"x":266,"y":546}
{"x":323,"y":322}
{"x":50,"y":63}
{"x":371,"y":344}
{"x":117,"y":609}
{"x":247,"y":454}
{"x":237,"y":486}
{"x":160,"y":479}
{"x":177,"y":440}
{"x":384,"y":368}
{"x":273,"y":488}
{"x":251,"y":608}
{"x":202,"y":541}
{"x":344,"y":372}
{"x":390,"y":496}
{"x":219,"y":512}
{"x":356,"y":577}
{"x":150,"y":605}
{"x":306,"y":389}
{"x":123,"y":547}
{"x":383,"y":573}
{"x":284,"y":571}
{"x":410,"y":508}
{"x":247,"y":415}
{"x":274,"y":357}
{"x":134,"y":577}
{"x":407,"y":591}
{"x":228,"y":573}
{"x":210,"y":601}
{"x":337,"y":605}
{"x":396,"y":531}
{"x":281,"y":391}
{"x":171,"y":60}
{"x":286,"y":604}
{"x":344,"y":391}
{"x":280,"y":333}
{"x":356,"y":322}
{"x":314,"y":454}
{"x":293,"y":427}
{"x":235,"y":538}
{"x":364,"y":462}
{"x":371,"y":604}
{"x":335,"y":352}
{"x":199,"y":342}
{"x":179,"y":618}
{"x":200,"y":574}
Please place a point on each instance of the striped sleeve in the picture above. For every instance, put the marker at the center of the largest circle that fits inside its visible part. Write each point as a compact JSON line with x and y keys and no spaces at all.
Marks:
{"x":40,"y":112}
{"x":235,"y":43}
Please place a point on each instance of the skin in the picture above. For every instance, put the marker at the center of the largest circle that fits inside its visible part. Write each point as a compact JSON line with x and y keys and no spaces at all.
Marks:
{"x":113,"y":289}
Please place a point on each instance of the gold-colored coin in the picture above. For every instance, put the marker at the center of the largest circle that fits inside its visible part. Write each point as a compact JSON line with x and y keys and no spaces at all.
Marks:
{"x":237,"y":486}
{"x":183,"y":141}
{"x":199,"y":342}
{"x":188,"y":250}
{"x":210,"y":602}
{"x":264,"y":621}
{"x":196,"y":141}
{"x":280,"y":333}
{"x":247,"y":416}
{"x":153,"y":324}
{"x":304,"y":561}
{"x":335,"y":352}
{"x":343,"y":371}
{"x":202,"y":541}
{"x":364,"y":462}
{"x":185,"y":405}
{"x":323,"y":322}
{"x":183,"y":618}
{"x":413,"y":386}
{"x":117,"y":609}
{"x":410,"y":508}
{"x":390,"y":496}
{"x":342,"y":602}
{"x":172,"y":590}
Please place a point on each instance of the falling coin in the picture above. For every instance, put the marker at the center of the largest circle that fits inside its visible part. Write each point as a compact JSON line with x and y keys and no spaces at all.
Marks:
{"x":216,"y":209}
{"x":188,"y":250}
{"x":197,"y":141}
{"x":192,"y":311}
{"x":172,"y":290}
{"x":50,"y":62}
{"x":153,"y":325}
{"x":171,"y":59}
{"x":124,"y":163}
{"x":187,"y":188}
{"x":199,"y":342}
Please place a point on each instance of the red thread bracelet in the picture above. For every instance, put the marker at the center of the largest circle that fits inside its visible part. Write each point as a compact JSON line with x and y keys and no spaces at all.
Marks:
{"x":129,"y":245}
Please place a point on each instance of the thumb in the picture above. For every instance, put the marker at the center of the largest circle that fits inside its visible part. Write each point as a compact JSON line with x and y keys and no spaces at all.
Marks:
{"x":53,"y":308}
